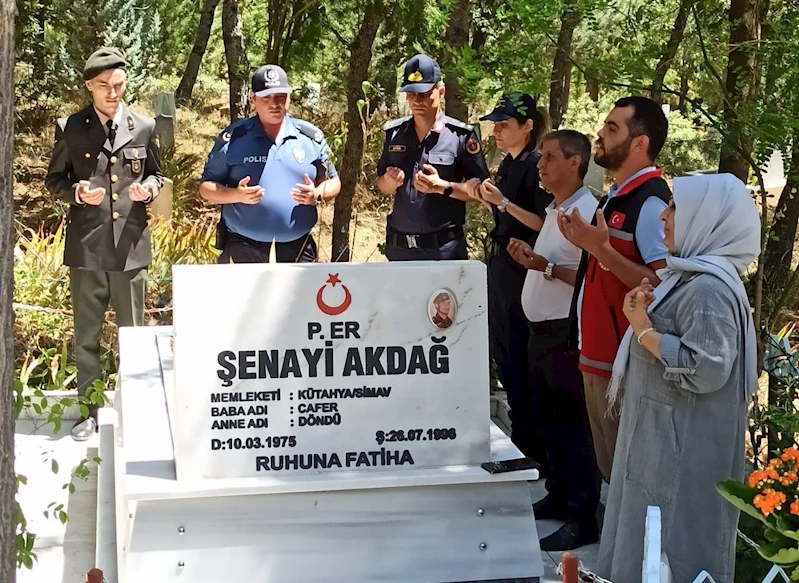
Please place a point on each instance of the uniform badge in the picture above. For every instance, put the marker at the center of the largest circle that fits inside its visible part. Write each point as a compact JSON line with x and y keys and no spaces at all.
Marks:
{"x":226,"y":136}
{"x":415,"y":77}
{"x":299,"y":154}
{"x":135,"y":166}
{"x":396,"y":148}
{"x":472,"y":146}
{"x":617,"y":220}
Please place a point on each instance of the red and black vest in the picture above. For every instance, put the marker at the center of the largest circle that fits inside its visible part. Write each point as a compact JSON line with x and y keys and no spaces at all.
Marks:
{"x":603,"y":321}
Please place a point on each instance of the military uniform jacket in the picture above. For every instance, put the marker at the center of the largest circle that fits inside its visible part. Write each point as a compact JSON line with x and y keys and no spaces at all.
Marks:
{"x":114,"y":235}
{"x":453,"y":148}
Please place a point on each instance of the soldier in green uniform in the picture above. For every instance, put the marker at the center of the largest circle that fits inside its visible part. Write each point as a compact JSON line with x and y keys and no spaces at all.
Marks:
{"x":106,"y":166}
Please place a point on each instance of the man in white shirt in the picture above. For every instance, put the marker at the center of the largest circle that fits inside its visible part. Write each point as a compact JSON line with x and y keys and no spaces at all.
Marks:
{"x":556,"y":382}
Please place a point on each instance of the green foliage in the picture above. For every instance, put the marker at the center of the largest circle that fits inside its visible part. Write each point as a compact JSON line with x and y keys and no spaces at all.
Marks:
{"x":688,"y":147}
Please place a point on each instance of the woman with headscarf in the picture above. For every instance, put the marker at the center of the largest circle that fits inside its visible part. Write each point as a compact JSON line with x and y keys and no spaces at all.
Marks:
{"x":687,"y":367}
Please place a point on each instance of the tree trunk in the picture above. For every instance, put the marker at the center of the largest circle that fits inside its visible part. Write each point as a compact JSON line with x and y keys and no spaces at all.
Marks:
{"x":667,"y":58}
{"x":8,"y":554}
{"x":186,"y":86}
{"x":592,"y":88}
{"x":238,"y":67}
{"x":741,"y":84}
{"x":360,"y":59}
{"x":276,"y":24}
{"x":40,"y":48}
{"x":779,"y":252}
{"x":560,"y":81}
{"x":683,"y":104}
{"x":457,"y":39}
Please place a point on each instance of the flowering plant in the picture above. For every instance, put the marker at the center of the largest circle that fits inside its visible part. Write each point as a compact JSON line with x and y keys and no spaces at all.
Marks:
{"x":771,"y":495}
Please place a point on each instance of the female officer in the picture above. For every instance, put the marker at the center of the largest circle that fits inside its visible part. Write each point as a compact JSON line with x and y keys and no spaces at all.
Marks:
{"x":518,"y":205}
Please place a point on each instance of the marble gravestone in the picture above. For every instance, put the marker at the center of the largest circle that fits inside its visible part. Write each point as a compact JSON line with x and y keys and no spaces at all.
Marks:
{"x":323,"y":422}
{"x":335,"y":370}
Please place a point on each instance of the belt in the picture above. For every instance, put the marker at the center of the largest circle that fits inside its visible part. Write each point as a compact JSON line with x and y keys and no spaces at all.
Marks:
{"x":423,"y":240}
{"x":548,"y":326}
{"x":235,"y":237}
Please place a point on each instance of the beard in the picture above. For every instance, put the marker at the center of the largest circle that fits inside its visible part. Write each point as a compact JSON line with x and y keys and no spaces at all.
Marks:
{"x":613,"y":159}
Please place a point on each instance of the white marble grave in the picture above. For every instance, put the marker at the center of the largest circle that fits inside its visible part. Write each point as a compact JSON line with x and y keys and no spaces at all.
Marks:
{"x":185,"y":511}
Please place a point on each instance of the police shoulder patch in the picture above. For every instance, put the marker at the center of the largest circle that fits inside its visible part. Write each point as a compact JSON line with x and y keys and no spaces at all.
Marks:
{"x":472,"y":146}
{"x":395,"y":123}
{"x":234,"y":130}
{"x":310,"y":130}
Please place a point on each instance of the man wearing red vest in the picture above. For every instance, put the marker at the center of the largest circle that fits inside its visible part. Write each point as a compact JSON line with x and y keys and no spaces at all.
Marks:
{"x":622,"y":245}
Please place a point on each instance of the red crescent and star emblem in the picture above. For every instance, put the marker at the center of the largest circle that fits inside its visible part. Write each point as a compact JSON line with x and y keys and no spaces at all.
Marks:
{"x":333,"y":310}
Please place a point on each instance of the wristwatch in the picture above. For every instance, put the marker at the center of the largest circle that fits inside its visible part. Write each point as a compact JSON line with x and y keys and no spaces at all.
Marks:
{"x":548,"y":271}
{"x":448,"y":189}
{"x":503,"y":204}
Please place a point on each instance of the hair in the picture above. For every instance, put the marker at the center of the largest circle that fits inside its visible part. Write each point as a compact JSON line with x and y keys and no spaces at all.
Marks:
{"x":572,"y":144}
{"x":442,"y":297}
{"x":439,"y":85}
{"x":542,"y":125}
{"x":648,"y":120}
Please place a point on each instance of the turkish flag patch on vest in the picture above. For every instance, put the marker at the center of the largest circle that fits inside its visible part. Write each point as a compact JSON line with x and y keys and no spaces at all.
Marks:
{"x":617,"y":220}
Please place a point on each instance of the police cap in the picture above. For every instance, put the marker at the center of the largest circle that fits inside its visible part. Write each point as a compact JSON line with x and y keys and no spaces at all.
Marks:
{"x":270,"y":79}
{"x":102,"y":60}
{"x":517,"y":105}
{"x":421,"y":75}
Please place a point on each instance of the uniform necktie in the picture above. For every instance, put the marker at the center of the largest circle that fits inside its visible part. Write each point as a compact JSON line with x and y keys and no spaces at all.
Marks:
{"x":112,"y":132}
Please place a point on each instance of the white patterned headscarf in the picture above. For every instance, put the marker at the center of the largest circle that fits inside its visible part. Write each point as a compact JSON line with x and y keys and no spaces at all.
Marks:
{"x":716,"y":231}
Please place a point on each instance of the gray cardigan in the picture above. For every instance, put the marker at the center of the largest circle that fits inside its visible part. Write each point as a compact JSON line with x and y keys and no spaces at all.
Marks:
{"x":682,"y":429}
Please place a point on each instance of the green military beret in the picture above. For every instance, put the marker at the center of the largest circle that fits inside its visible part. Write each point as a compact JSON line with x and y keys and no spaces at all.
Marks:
{"x":102,"y":60}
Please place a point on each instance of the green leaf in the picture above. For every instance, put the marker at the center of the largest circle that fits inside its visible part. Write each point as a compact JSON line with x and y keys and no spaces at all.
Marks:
{"x":786,"y":528}
{"x":54,"y":466}
{"x":84,"y":411}
{"x":97,"y":460}
{"x":741,"y":496}
{"x":779,"y":554}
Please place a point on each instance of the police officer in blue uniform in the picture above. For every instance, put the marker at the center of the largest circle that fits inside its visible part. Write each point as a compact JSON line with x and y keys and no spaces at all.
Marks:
{"x":269,"y":171}
{"x":430,"y":163}
{"x":518,"y":206}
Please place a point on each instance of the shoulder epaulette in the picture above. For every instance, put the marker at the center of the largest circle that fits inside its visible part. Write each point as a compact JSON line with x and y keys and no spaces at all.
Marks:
{"x":456,"y":123}
{"x":236,"y":129}
{"x":308,"y":129}
{"x":395,"y":123}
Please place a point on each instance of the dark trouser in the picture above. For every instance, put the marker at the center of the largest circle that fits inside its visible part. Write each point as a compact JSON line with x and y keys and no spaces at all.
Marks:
{"x":508,"y":349}
{"x":444,"y":246}
{"x":239,"y":249}
{"x":91,"y":292}
{"x":558,"y":385}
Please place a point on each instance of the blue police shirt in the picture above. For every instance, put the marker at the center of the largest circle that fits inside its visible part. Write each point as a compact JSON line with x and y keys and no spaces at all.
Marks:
{"x":244,"y":149}
{"x":454,"y":149}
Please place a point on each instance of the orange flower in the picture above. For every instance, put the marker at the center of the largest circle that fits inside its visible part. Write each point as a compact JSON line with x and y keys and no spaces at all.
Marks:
{"x":769,"y":501}
{"x":772,"y":474}
{"x":757,"y":478}
{"x":775,"y":463}
{"x":790,"y":453}
{"x":789,"y":478}
{"x":795,"y":507}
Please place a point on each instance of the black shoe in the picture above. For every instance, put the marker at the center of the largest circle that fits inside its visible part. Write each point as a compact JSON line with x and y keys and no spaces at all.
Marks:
{"x":568,"y":537}
{"x":546,"y":509}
